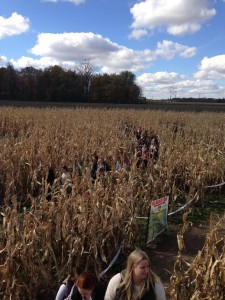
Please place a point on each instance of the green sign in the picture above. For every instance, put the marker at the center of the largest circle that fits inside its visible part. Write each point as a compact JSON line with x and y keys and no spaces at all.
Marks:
{"x":157,"y":221}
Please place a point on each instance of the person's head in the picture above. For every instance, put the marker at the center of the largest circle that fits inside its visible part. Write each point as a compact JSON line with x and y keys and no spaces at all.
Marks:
{"x":51,"y":170}
{"x":137,"y":272}
{"x":86,"y":283}
{"x":65,"y":169}
{"x":94,"y":156}
{"x":75,"y":271}
{"x":138,"y":266}
{"x":51,"y":175}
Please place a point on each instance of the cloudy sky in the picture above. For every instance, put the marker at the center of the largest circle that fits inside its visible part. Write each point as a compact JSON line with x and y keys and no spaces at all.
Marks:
{"x":175,"y":48}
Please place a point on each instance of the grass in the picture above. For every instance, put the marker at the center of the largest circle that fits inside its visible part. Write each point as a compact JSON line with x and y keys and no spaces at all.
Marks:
{"x":199,"y":214}
{"x":212,"y":205}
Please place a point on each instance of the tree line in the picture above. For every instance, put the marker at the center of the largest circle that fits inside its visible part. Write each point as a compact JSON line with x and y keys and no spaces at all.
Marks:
{"x":199,"y":100}
{"x":55,"y":84}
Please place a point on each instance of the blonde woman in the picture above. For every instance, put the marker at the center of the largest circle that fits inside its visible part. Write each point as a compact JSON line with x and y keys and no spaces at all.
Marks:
{"x":136,"y":282}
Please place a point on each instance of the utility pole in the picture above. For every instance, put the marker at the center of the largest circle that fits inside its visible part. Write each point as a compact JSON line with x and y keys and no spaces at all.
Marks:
{"x":173,"y":92}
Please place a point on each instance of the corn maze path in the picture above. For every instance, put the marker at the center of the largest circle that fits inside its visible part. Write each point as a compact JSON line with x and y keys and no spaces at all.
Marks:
{"x":164,"y":254}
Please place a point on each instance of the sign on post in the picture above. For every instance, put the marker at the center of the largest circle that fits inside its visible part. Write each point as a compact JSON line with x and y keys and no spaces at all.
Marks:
{"x":157,"y":220}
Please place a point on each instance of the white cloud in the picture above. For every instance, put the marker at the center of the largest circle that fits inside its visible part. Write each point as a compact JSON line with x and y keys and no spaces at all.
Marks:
{"x":212,"y":68}
{"x":41,"y":63}
{"x":179,"y":17}
{"x":168,"y":50}
{"x":14,"y":25}
{"x":184,"y":28}
{"x":205,"y":88}
{"x":3,"y":60}
{"x":76,"y":2}
{"x":159,"y":85}
{"x":73,"y":46}
{"x":136,"y":34}
{"x":160,"y":78}
{"x":67,"y":49}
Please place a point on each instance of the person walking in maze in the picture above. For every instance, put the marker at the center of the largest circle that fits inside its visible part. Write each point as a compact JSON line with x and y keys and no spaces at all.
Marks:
{"x":136,"y":282}
{"x":67,"y":284}
{"x":145,"y":155}
{"x":65,"y":180}
{"x":154,"y":147}
{"x":50,"y":181}
{"x":94,"y":166}
{"x":87,"y":287}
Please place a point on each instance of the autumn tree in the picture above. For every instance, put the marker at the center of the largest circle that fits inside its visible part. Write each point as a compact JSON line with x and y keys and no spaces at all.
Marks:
{"x":86,"y":72}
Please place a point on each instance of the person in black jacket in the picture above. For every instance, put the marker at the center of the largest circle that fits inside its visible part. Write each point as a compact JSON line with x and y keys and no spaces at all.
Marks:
{"x":94,"y":166}
{"x":88,"y":287}
{"x":68,"y":283}
{"x":50,"y":181}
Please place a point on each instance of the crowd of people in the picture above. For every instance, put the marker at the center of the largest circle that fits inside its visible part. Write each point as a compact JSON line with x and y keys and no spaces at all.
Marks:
{"x":64,"y":182}
{"x":146,"y":147}
{"x":136,"y":282}
{"x":98,"y":165}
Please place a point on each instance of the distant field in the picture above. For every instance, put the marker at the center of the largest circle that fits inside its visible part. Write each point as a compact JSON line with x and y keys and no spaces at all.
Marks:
{"x":153,"y":105}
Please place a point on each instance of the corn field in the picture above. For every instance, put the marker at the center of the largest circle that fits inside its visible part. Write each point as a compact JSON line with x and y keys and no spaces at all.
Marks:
{"x":204,"y":278}
{"x":41,"y":238}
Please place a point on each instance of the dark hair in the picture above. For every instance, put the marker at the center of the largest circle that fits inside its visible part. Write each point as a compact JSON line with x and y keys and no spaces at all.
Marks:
{"x":51,"y":175}
{"x":75,"y":272}
{"x":87,"y":281}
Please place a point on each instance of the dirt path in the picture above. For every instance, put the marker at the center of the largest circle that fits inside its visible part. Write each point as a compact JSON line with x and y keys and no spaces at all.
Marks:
{"x":164,"y":255}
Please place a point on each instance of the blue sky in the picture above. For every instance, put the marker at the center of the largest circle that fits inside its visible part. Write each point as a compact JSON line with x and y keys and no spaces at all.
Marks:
{"x":175,"y":48}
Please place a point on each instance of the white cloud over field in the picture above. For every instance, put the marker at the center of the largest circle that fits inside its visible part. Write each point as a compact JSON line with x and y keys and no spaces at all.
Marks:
{"x":178,"y":17}
{"x":68,"y":48}
{"x":160,"y":85}
{"x":211,"y":68}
